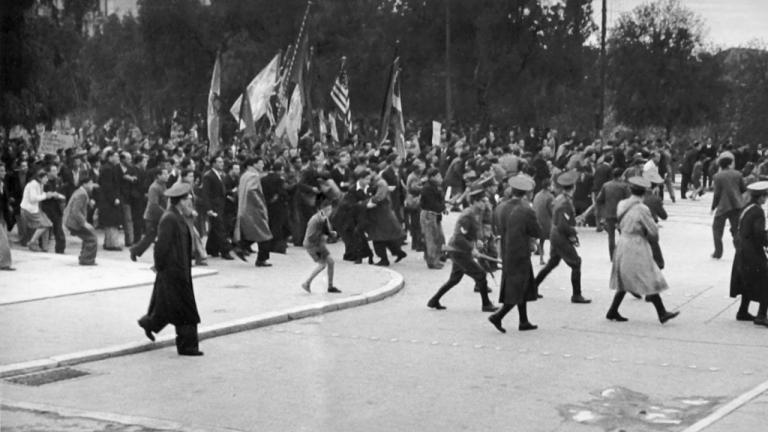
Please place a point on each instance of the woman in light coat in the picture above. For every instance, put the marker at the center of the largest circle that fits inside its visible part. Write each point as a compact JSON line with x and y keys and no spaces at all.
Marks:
{"x":634,"y":269}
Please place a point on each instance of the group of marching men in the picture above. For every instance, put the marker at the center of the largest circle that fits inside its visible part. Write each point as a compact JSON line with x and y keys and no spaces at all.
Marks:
{"x":632,"y":206}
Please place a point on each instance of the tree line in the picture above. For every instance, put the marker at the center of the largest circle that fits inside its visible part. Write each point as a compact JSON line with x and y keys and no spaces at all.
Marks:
{"x":512,"y":62}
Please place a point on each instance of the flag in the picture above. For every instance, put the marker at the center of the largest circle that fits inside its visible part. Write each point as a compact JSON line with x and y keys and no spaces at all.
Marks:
{"x":214,"y":106}
{"x":291,"y":122}
{"x":398,"y":123}
{"x":321,"y":124}
{"x":259,"y":91}
{"x":340,"y":96}
{"x":246,"y":116}
{"x":332,"y":126}
{"x":386,"y":110}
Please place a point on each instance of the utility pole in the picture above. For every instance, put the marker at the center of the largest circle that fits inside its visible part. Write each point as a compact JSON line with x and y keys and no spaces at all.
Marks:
{"x":602,"y":73}
{"x":448,"y":110}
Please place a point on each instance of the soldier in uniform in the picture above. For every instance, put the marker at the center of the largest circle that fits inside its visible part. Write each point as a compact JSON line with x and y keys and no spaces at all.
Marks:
{"x":462,"y":251}
{"x":516,"y":223}
{"x":563,"y":237}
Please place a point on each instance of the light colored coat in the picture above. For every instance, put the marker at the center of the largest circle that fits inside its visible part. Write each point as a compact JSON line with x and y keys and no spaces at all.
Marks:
{"x":634,"y":269}
{"x":252,"y":219}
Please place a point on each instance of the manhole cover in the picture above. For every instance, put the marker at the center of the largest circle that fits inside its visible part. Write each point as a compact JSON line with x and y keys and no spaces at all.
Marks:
{"x":47,"y":377}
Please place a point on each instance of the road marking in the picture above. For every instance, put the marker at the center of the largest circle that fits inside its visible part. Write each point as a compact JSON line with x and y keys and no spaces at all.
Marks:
{"x":728,"y":408}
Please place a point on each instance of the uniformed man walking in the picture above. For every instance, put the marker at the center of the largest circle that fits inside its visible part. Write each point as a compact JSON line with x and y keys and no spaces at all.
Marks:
{"x":563,"y":238}
{"x":462,"y":252}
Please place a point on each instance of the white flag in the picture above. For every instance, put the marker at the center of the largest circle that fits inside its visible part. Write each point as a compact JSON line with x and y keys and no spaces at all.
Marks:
{"x":291,"y":122}
{"x":261,"y":88}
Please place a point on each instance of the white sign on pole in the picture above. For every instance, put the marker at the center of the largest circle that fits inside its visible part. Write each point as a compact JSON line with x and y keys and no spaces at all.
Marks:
{"x":51,"y":142}
{"x":436,"y":127}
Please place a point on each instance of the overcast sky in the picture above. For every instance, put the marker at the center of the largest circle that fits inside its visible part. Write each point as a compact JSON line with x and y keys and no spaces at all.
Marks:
{"x":728,"y":22}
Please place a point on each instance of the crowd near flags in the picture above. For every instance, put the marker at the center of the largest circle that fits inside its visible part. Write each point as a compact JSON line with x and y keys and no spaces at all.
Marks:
{"x":340,"y":96}
{"x":392,"y":112}
{"x":214,"y":106}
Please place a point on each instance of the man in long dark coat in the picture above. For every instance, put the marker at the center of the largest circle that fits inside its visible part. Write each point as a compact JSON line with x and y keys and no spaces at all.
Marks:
{"x":109,"y":203}
{"x":750,"y":265}
{"x":173,"y":297}
{"x":516,"y":224}
{"x":212,"y":202}
{"x":276,"y":196}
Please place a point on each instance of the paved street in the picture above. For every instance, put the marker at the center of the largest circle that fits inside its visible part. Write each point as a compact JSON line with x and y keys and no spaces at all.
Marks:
{"x":396,"y":365}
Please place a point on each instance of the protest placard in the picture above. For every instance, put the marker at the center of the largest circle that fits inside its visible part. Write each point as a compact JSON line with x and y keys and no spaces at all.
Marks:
{"x":436,"y":127}
{"x":51,"y":142}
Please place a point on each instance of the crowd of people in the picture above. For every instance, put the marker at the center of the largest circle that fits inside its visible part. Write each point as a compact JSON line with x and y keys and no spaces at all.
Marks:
{"x":514,"y":190}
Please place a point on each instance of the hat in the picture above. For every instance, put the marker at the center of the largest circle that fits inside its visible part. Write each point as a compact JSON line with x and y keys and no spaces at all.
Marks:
{"x":726,"y":155}
{"x":178,"y":190}
{"x":652,"y":174}
{"x":521,"y":182}
{"x":640,"y":182}
{"x":567,"y":178}
{"x":638,"y":158}
{"x":758,"y":188}
{"x":80,"y":153}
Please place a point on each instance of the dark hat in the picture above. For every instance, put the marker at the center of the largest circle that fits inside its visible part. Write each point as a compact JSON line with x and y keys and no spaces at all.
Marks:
{"x":521,"y":182}
{"x":178,"y":190}
{"x":758,"y":188}
{"x":640,"y":182}
{"x":567,"y":178}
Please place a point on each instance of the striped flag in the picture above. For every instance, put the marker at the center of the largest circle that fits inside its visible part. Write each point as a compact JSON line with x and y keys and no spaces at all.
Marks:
{"x":340,"y":96}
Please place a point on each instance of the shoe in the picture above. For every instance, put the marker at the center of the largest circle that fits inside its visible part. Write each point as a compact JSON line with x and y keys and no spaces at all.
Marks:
{"x":133,"y":255}
{"x":370,"y":260}
{"x":496,"y":323}
{"x":763,"y":321}
{"x":305,"y":287}
{"x":227,"y":257}
{"x":539,"y":296}
{"x":201,"y":262}
{"x":382,"y":263}
{"x":194,"y":353}
{"x":333,"y":290}
{"x":88,"y":263}
{"x":358,"y":261}
{"x":668,"y":316}
{"x":7,"y":268}
{"x":745,"y":316}
{"x":716,"y":256}
{"x":490,"y":308}
{"x":637,"y":296}
{"x":525,"y":326}
{"x":262,"y":264}
{"x":435,"y":266}
{"x":579,"y":299}
{"x":147,"y":331}
{"x":34,"y":248}
{"x":400,"y":257}
{"x":614,"y":316}
{"x":240,"y":254}
{"x":435,"y":305}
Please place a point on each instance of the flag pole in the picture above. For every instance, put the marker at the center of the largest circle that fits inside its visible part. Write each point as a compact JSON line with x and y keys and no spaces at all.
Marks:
{"x":296,"y":49}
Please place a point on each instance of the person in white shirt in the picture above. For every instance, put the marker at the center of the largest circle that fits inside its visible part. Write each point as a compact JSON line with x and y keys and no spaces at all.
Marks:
{"x":31,"y":216}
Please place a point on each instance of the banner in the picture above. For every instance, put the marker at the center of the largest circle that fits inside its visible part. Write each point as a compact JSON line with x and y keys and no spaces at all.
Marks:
{"x":51,"y":142}
{"x":436,"y":131}
{"x":214,"y":106}
{"x":261,"y":88}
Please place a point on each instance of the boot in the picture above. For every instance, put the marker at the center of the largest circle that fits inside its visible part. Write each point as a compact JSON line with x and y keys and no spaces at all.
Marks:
{"x":662,"y":312}
{"x":613,"y":312}
{"x":525,"y":325}
{"x":434,"y":302}
{"x":576,"y":286}
{"x":743,"y":313}
{"x":496,"y":318}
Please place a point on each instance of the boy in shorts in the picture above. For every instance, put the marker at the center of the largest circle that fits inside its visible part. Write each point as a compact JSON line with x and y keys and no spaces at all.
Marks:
{"x":318,"y":229}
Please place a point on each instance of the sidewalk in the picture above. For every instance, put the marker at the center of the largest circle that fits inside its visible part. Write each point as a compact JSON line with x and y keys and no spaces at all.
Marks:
{"x":54,"y":312}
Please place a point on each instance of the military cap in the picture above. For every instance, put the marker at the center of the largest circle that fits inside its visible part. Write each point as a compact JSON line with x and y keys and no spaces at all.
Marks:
{"x":567,"y":178}
{"x":641,"y":182}
{"x":178,"y":190}
{"x":726,"y":155}
{"x":521,"y":182}
{"x":758,"y":188}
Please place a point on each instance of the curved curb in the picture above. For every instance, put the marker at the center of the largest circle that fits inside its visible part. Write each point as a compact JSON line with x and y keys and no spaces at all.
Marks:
{"x":392,"y":287}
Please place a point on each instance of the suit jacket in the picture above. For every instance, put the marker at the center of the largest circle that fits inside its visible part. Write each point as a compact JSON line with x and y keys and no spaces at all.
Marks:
{"x":156,"y":202}
{"x":76,"y":212}
{"x":70,"y":178}
{"x":729,"y":185}
{"x":610,"y":195}
{"x":214,"y":194}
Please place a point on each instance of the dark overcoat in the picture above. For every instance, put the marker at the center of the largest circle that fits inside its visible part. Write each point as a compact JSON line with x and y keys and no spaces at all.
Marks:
{"x":563,"y":232}
{"x":383,"y":224}
{"x":517,"y":225}
{"x":173,"y":299}
{"x":749,"y":274}
{"x":110,"y":178}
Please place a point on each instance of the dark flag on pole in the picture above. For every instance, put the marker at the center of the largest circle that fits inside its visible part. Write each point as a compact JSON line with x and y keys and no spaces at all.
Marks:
{"x":340,"y":96}
{"x":393,"y":105}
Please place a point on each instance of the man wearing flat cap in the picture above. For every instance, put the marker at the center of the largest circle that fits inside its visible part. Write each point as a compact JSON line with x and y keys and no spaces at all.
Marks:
{"x":750,"y":265}
{"x":173,"y":297}
{"x":515,"y":222}
{"x":563,"y":238}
